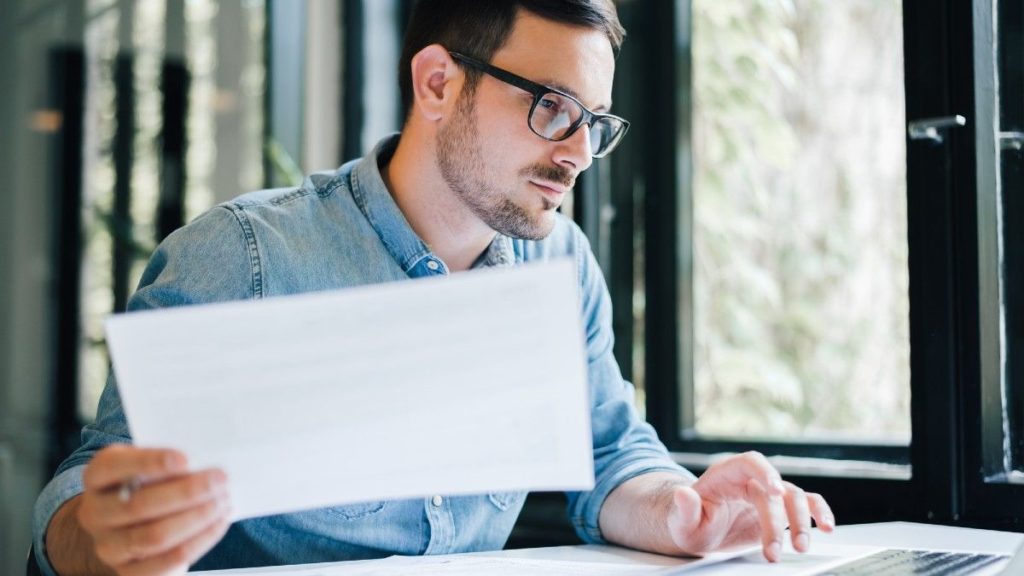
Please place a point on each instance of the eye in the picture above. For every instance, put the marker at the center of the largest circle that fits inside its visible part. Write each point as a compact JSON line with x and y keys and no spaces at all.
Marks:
{"x":549,"y":103}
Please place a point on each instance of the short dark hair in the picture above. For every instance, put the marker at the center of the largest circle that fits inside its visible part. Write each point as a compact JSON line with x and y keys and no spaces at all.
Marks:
{"x":479,"y":28}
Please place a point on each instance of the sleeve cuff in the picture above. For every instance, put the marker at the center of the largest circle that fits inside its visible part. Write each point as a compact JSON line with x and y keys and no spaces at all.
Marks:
{"x":62,"y":488}
{"x":587,"y":511}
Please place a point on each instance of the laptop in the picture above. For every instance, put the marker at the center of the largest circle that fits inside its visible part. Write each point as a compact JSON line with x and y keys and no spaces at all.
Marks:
{"x":893,"y":549}
{"x":919,"y":562}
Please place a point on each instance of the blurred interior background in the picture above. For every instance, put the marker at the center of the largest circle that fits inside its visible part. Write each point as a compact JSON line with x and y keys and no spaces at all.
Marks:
{"x":792,"y":270}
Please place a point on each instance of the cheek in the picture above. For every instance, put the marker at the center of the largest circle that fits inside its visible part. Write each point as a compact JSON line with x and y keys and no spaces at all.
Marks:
{"x":504,"y":129}
{"x":503,"y":156}
{"x":505,"y":145}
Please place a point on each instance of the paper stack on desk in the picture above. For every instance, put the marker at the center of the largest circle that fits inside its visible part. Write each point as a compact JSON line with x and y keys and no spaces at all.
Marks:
{"x":464,"y":384}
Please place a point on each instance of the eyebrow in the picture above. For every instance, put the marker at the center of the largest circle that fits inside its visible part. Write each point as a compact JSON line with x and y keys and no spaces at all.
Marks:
{"x":563,"y":88}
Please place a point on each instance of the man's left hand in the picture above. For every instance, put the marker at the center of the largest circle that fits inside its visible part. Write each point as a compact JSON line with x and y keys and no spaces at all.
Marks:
{"x":742,"y":499}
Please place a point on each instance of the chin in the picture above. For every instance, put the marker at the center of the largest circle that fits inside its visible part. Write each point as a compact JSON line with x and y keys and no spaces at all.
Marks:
{"x":544,"y":224}
{"x":538,"y":229}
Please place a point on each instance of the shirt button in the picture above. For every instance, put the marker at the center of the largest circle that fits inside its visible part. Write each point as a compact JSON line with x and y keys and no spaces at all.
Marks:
{"x":433,"y":265}
{"x":436,"y":501}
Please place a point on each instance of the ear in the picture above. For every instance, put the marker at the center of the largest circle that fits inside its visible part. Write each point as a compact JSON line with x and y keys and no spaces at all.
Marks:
{"x":436,"y":82}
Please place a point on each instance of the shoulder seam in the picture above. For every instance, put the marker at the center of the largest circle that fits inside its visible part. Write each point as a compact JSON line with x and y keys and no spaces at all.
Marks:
{"x":255,"y":262}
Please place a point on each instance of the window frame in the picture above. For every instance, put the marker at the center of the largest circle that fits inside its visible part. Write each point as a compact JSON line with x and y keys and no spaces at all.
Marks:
{"x":939,"y":52}
{"x":1011,"y":75}
{"x":670,"y":265}
{"x":989,"y":498}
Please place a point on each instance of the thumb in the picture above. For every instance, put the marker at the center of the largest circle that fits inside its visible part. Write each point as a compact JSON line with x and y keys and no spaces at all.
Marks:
{"x":686,"y":523}
{"x":686,"y":509}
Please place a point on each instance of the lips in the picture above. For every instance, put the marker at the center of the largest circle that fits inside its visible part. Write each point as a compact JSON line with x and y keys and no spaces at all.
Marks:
{"x":551,"y":188}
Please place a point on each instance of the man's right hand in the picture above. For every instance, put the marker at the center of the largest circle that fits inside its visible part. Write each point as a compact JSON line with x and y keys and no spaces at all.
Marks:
{"x":161,"y":527}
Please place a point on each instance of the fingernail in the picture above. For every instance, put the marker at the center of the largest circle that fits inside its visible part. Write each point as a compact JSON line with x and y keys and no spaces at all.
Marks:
{"x":777,"y":485}
{"x":774,"y":552}
{"x":802,"y":541}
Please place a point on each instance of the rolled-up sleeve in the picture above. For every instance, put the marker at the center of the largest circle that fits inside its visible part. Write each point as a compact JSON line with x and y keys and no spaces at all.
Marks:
{"x":624,"y":445}
{"x":109,"y":428}
{"x":211,"y":263}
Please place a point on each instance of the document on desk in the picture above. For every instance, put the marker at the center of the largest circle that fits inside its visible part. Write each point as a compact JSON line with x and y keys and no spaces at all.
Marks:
{"x":478,"y":564}
{"x":464,"y":384}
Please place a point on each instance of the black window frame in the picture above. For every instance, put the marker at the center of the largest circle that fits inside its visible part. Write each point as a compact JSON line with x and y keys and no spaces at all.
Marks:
{"x":1011,"y":154}
{"x":670,"y":259}
{"x":990,"y":498}
{"x":941,"y":40}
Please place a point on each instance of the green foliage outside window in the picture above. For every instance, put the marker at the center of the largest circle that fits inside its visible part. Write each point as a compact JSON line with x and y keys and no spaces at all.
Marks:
{"x":800,"y":226}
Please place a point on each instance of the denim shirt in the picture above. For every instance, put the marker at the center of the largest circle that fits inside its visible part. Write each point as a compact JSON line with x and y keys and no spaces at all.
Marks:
{"x":342,"y":229}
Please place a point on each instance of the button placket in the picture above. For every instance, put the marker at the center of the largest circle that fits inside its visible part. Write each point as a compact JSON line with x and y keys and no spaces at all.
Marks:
{"x":442,"y":526}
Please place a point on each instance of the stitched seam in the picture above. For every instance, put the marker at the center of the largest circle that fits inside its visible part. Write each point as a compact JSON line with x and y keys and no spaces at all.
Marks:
{"x":254,"y":254}
{"x":362,"y":202}
{"x":303,"y":192}
{"x":286,"y":198}
{"x":330,"y":190}
{"x":414,"y":260}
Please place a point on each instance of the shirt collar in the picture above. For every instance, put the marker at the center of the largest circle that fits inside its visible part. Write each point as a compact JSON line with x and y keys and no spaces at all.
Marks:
{"x":380,"y":209}
{"x":498,"y":253}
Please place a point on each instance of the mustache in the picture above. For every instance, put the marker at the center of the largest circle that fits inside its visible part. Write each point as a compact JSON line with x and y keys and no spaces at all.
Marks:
{"x":556,"y":174}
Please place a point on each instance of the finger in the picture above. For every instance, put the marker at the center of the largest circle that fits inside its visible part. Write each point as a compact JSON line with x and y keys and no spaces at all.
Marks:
{"x":154,"y":538}
{"x":177,"y":560}
{"x":821,"y":512}
{"x":772,"y":518}
{"x":160,"y":499}
{"x":799,"y":515}
{"x":728,"y":479}
{"x":684,"y":521}
{"x":114,"y":464}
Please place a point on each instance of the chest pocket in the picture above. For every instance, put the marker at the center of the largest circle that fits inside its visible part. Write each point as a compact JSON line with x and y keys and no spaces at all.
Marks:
{"x":505,"y":500}
{"x":357,"y":511}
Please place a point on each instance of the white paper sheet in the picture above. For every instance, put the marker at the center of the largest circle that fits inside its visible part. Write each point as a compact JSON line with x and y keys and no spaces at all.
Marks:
{"x":537,"y":562}
{"x":465,"y":384}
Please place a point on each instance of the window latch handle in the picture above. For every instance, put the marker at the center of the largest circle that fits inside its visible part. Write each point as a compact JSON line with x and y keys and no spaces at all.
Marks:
{"x":931,"y":129}
{"x":1011,"y":140}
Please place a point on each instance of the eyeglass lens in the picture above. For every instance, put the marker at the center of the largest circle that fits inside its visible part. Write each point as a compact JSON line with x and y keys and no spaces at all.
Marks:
{"x":555,"y":115}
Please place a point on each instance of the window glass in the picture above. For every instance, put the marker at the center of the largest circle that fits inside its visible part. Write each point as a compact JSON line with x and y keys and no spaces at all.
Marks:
{"x":142,"y":51}
{"x":800,"y":270}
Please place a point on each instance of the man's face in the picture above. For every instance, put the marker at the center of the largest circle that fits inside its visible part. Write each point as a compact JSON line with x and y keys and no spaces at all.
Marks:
{"x":510,"y":178}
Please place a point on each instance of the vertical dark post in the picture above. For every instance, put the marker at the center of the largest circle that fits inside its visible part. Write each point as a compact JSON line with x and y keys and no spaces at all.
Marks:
{"x":174,"y":84}
{"x":1011,"y":163}
{"x":67,"y":95}
{"x":666,"y":302}
{"x":352,"y":86}
{"x":121,"y":218}
{"x":931,"y":208}
{"x":174,"y":87}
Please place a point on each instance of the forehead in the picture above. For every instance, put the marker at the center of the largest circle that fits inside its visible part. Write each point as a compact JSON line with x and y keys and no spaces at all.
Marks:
{"x":562,"y":56}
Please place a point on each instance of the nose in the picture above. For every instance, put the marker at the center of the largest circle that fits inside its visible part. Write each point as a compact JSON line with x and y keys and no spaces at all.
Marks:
{"x":574,"y":152}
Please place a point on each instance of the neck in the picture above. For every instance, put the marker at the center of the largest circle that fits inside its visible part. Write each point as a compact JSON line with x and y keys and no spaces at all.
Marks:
{"x":448,"y":227}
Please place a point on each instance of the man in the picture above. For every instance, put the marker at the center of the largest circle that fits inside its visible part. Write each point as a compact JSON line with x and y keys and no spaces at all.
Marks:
{"x":507,"y":105}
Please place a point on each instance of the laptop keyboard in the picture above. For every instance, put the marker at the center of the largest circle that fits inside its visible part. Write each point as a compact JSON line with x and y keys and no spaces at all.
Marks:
{"x":914,"y":563}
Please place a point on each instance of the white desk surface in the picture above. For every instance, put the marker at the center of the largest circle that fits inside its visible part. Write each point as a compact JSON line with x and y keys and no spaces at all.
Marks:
{"x":608,"y":559}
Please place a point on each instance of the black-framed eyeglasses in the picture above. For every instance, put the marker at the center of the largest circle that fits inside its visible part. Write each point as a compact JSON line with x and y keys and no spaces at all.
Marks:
{"x":555,"y":115}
